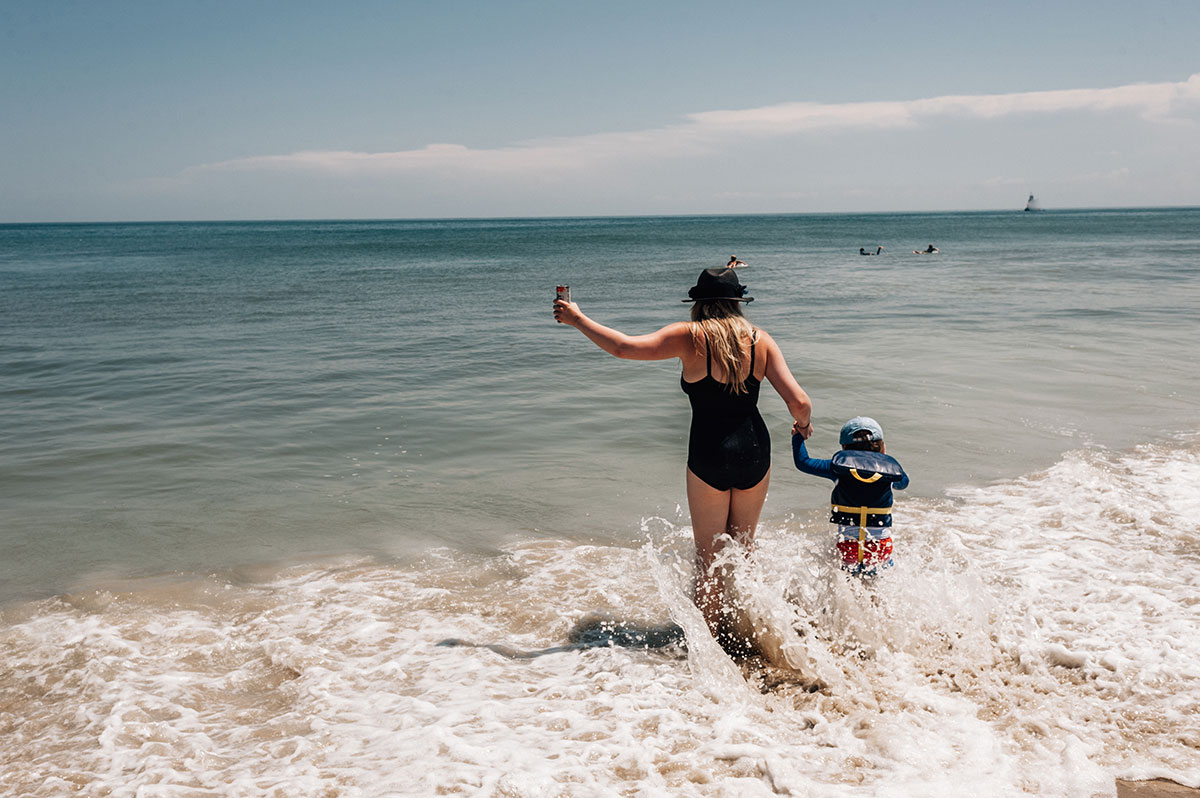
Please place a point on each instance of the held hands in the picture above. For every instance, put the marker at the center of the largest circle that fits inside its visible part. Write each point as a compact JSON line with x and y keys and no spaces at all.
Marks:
{"x":803,"y":431}
{"x":566,"y":312}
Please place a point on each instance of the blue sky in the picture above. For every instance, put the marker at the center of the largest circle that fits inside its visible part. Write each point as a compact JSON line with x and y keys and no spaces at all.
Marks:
{"x":278,"y":110}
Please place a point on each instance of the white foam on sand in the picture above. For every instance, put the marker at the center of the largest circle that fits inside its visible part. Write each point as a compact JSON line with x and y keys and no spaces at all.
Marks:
{"x":1036,"y":637}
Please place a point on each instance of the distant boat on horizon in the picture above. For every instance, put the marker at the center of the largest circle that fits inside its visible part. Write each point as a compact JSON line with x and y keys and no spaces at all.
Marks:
{"x":1031,"y":204}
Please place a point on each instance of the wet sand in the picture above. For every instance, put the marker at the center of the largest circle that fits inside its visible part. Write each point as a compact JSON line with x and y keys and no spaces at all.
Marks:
{"x":1154,"y":788}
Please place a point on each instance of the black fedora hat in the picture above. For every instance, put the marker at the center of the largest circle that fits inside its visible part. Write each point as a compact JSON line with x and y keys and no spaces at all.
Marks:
{"x":718,"y":284}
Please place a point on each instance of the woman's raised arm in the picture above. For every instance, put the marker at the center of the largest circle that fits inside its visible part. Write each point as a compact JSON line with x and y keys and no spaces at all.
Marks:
{"x":670,"y":341}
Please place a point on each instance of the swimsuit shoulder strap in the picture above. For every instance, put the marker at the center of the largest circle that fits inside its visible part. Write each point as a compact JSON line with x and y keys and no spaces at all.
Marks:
{"x":753,"y":338}
{"x":707,"y":355}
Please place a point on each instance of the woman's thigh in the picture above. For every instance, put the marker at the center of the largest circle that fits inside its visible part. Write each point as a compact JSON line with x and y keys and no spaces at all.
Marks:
{"x":745,"y":506}
{"x":720,"y":512}
{"x":709,"y":509}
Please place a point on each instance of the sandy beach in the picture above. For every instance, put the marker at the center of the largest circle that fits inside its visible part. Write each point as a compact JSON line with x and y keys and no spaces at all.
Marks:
{"x":1154,"y":788}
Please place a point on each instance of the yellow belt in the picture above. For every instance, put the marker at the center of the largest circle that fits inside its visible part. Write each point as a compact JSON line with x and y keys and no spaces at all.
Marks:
{"x":862,"y":513}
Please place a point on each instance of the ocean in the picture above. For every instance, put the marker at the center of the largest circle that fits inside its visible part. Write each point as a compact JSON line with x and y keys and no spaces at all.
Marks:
{"x":251,"y":474}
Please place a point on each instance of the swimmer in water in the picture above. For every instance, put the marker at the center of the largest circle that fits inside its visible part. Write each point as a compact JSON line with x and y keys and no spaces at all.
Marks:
{"x":734,"y":263}
{"x":862,"y":251}
{"x":929,"y":250}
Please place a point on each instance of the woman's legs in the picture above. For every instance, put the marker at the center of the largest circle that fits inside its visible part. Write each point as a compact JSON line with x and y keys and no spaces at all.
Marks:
{"x":716,"y":513}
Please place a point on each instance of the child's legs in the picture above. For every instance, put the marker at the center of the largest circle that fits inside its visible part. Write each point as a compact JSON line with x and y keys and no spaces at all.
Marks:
{"x":875,"y":553}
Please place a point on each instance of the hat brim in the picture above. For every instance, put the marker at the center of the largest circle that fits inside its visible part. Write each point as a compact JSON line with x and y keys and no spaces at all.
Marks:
{"x":726,"y":298}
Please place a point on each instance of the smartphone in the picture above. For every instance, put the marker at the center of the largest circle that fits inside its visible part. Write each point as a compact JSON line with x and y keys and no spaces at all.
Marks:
{"x":563,"y":292}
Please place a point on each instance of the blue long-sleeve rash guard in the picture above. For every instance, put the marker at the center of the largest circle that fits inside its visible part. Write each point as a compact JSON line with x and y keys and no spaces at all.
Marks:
{"x":824,"y":468}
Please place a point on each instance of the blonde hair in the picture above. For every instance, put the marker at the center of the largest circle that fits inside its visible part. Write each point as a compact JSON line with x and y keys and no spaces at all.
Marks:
{"x":720,"y":322}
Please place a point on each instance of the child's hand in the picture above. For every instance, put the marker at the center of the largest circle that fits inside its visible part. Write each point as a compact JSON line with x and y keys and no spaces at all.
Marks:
{"x":803,"y":431}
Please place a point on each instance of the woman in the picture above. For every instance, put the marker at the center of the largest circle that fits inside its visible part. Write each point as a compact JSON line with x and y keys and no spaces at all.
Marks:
{"x":729,"y":450}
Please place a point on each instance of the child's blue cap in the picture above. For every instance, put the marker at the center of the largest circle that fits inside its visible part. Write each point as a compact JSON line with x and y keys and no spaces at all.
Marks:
{"x":861,"y":424}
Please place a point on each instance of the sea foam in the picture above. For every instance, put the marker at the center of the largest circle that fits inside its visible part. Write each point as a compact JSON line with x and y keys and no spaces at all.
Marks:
{"x":1037,"y":636}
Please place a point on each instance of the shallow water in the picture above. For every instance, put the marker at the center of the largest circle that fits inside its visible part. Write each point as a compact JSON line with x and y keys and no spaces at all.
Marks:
{"x":253,"y":474}
{"x":1011,"y":642}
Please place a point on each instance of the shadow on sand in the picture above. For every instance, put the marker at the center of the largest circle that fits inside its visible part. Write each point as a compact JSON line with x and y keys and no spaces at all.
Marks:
{"x":594,"y":631}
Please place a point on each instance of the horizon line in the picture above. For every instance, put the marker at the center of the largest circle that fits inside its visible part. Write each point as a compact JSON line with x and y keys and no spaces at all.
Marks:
{"x":349,"y":219}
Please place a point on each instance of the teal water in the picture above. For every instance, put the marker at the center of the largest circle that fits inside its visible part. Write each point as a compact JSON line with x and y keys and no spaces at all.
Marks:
{"x":252,"y":473}
{"x":198,"y":396}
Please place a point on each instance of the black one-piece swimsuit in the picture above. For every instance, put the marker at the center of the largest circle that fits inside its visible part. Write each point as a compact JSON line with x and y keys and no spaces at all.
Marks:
{"x":729,"y":446}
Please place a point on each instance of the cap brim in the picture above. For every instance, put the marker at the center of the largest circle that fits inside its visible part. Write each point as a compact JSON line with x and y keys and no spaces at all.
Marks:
{"x":727,"y":298}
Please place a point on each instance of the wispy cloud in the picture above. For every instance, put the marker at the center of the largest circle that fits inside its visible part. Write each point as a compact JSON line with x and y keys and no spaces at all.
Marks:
{"x":704,"y":132}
